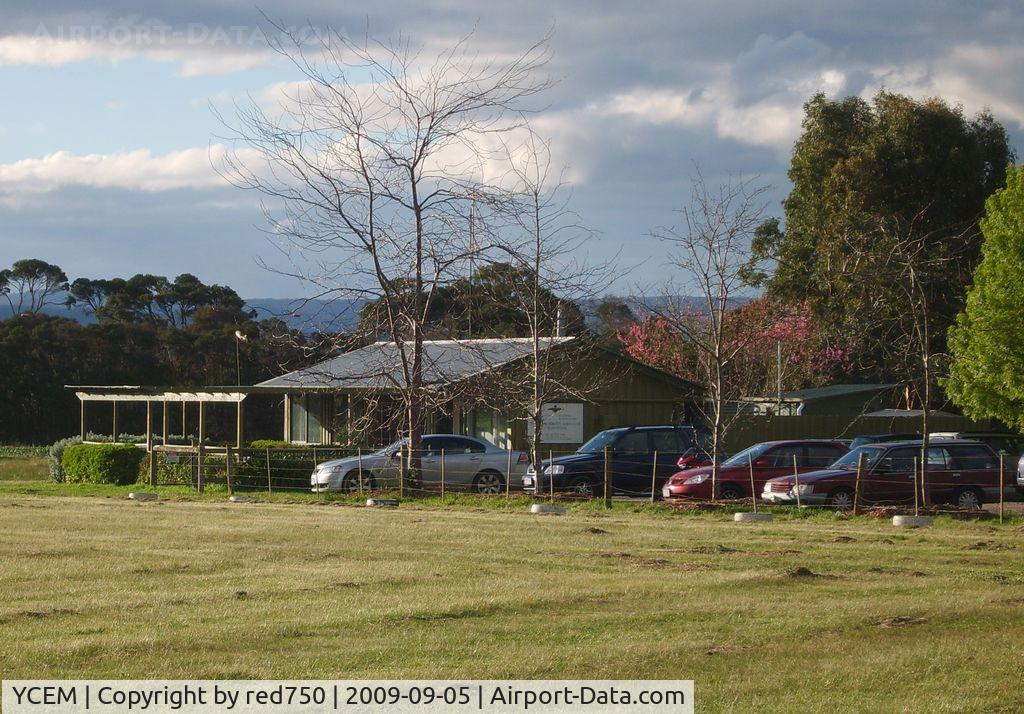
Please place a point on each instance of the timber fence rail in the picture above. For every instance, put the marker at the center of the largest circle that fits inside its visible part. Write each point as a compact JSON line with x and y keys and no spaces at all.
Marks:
{"x":373,"y":471}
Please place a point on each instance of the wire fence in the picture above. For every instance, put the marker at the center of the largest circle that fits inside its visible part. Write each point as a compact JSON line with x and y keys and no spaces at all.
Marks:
{"x":652,"y":477}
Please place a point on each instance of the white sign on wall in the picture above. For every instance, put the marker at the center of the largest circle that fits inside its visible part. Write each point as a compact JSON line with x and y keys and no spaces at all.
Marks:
{"x":562,"y":423}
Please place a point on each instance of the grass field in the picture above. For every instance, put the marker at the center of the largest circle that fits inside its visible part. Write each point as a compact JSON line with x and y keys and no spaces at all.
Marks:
{"x":884,"y":620}
{"x":18,"y":469}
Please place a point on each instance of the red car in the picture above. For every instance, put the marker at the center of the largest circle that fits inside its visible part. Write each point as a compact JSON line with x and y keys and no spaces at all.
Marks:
{"x":767,"y":460}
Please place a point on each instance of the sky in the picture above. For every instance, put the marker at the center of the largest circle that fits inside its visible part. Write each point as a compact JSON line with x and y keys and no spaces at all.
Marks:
{"x":108,"y":126}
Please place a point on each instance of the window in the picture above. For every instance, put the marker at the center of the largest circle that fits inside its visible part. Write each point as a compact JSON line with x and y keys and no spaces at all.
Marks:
{"x":304,"y":419}
{"x":782,"y":457}
{"x":898,"y":461}
{"x":821,"y":455}
{"x":974,"y":457}
{"x":634,"y":442}
{"x":455,"y":445}
{"x":432,"y":445}
{"x":297,"y":419}
{"x":938,"y":459}
{"x":669,"y":442}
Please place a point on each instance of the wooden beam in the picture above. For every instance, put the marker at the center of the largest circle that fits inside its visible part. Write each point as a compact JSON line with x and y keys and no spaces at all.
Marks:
{"x":82,"y":419}
{"x":149,"y":426}
{"x":239,"y":426}
{"x":202,"y":423}
{"x":114,"y":422}
{"x":165,"y":417}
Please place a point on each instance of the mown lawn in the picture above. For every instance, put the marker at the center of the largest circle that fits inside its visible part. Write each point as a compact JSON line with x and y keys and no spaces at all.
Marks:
{"x":23,"y":469}
{"x":887,"y":620}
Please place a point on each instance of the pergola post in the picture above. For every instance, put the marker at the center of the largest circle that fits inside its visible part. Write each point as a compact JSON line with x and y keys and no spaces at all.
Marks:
{"x":238,"y":424}
{"x":149,"y":425}
{"x":202,"y":421}
{"x":183,"y":432}
{"x":113,"y":425}
{"x":82,"y":417}
{"x":166,"y":410}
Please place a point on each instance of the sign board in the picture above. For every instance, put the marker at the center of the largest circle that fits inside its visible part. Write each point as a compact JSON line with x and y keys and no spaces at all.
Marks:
{"x":563,"y":423}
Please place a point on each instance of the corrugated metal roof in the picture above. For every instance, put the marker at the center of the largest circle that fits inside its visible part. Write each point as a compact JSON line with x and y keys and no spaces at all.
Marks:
{"x":379,"y":366}
{"x":835,"y":390}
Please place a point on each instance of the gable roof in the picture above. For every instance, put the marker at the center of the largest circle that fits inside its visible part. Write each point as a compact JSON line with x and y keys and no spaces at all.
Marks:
{"x":834,"y":390}
{"x":379,"y":366}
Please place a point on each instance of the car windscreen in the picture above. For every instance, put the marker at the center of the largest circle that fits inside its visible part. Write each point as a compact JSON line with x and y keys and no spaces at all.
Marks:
{"x":748,"y":454}
{"x":600,"y":440}
{"x":850,"y":458}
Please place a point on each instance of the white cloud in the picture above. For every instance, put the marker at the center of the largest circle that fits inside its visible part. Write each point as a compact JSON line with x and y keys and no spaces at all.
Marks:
{"x":138,"y":170}
{"x":195,"y":58}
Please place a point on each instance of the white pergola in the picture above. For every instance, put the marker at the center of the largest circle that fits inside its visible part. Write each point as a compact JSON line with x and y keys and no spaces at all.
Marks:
{"x":163,"y":396}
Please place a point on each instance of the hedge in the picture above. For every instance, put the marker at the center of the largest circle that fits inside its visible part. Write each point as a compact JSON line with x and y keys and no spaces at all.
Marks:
{"x":22,"y":452}
{"x":102,"y":463}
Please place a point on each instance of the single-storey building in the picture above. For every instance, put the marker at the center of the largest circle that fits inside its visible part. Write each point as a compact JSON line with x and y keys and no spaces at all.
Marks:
{"x":475,"y":386}
{"x":830,"y":400}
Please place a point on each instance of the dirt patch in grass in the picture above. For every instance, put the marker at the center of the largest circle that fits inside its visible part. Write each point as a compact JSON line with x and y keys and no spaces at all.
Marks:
{"x":717,"y":549}
{"x":595,"y":531}
{"x":803,"y":573}
{"x":988,"y":545}
{"x":843,"y":539}
{"x":38,"y":614}
{"x":638,"y":561}
{"x":899,"y":621}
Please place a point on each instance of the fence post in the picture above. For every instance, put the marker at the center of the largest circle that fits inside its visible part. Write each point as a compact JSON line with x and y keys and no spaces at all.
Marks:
{"x":551,"y":475}
{"x":654,"y":474}
{"x":917,"y":509}
{"x":201,"y":461}
{"x":442,"y":477}
{"x":269,"y":489}
{"x":856,"y":484}
{"x":924,"y":492}
{"x":152,"y":467}
{"x":607,"y":477}
{"x":319,"y":491}
{"x":359,"y":465}
{"x":401,"y":471}
{"x":753,"y":496}
{"x":508,"y":477}
{"x":227,"y":467}
{"x":1002,"y":482}
{"x":796,"y":485}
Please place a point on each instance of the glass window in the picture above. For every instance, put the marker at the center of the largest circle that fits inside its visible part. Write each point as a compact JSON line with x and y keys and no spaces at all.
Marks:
{"x":782,"y":456}
{"x":634,"y":442}
{"x":314,"y":434}
{"x":432,"y":445}
{"x":669,"y":441}
{"x":938,"y":459}
{"x":821,"y":455}
{"x":601,"y":440}
{"x":455,"y":445}
{"x":898,"y":461}
{"x":749,"y":454}
{"x":297,"y":419}
{"x":974,"y":457}
{"x":849,"y":460}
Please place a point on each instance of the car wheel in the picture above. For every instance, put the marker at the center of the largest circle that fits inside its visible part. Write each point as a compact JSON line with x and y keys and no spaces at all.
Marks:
{"x":350,"y":484}
{"x":841,"y":499}
{"x":489,"y":482}
{"x":968,"y":499}
{"x":730,"y":492}
{"x":586,"y":487}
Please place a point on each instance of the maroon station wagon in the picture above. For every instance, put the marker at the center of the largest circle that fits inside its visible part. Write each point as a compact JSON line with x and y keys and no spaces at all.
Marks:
{"x":964,"y":473}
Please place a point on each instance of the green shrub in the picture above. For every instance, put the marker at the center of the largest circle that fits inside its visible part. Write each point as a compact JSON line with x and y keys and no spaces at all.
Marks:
{"x":102,"y":463}
{"x":22,"y":452}
{"x":54,"y":455}
{"x":269,"y":444}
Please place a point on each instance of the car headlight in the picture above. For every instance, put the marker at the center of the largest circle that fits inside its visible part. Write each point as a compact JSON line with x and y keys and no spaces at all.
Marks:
{"x":554,"y":469}
{"x":699,"y":478}
{"x":529,"y":470}
{"x":804,"y":489}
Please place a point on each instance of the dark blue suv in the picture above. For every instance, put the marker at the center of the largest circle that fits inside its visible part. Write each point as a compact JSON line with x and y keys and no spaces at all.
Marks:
{"x":632,"y":462}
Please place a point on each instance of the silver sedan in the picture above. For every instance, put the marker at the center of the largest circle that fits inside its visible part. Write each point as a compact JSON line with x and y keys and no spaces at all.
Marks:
{"x":469,"y":462}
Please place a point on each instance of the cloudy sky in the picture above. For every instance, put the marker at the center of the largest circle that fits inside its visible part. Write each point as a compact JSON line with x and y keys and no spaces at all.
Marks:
{"x":107,"y":128}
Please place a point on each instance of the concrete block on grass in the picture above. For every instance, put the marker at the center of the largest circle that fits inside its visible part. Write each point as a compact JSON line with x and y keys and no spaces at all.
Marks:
{"x":382,"y":502}
{"x":547,"y":508}
{"x":142,"y":496}
{"x":749,"y":517}
{"x":243,"y":499}
{"x":911,"y":521}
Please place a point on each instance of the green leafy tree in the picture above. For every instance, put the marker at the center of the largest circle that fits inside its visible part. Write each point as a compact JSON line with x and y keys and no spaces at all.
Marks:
{"x":986,"y":376}
{"x":862,"y":173}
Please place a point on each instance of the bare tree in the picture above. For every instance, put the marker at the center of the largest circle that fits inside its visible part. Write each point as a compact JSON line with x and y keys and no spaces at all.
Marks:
{"x":711,"y":252}
{"x":373,"y":163}
{"x":545,"y":244}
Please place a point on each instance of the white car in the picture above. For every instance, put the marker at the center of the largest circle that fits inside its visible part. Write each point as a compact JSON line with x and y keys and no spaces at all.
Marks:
{"x":469,"y":462}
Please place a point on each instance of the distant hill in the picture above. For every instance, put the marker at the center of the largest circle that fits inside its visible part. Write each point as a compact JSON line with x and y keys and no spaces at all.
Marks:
{"x":340,"y":315}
